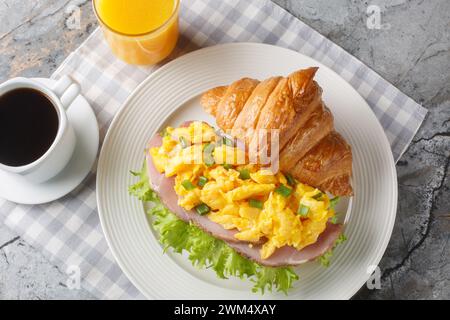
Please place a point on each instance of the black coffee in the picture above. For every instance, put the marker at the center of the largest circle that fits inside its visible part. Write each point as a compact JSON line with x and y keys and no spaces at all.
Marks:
{"x":28,"y":126}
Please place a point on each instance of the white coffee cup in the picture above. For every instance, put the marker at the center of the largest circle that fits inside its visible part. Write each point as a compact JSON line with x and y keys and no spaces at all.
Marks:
{"x":61,"y":94}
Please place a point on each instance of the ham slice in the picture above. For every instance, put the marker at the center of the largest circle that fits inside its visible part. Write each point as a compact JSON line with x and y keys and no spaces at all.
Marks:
{"x":285,"y":256}
{"x":289,"y":256}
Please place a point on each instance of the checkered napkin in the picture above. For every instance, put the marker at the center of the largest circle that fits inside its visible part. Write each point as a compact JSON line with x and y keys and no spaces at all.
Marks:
{"x":68,"y":230}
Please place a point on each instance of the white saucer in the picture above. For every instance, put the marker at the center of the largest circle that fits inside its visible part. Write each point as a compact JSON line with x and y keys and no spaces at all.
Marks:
{"x":80,"y":114}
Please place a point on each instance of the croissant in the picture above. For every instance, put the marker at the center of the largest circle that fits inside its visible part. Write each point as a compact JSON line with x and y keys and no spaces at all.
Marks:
{"x":309,"y":147}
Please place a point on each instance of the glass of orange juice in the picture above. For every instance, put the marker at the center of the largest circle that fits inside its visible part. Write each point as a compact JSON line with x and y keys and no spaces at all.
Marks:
{"x":139,"y":32}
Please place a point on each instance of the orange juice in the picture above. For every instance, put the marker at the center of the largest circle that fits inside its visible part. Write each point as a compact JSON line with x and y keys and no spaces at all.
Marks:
{"x":139,"y":31}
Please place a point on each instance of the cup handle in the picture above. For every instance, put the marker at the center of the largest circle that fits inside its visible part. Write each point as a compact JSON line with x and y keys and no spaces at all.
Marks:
{"x":67,"y":90}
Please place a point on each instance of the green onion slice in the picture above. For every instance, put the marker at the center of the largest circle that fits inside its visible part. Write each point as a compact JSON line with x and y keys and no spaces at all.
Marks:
{"x":184,"y":143}
{"x":227,"y":166}
{"x":244,"y":174}
{"x":303,"y":210}
{"x":188,"y":185}
{"x":164,"y":133}
{"x":209,"y":148}
{"x":207,"y":154}
{"x":227,"y":141}
{"x":202,"y":181}
{"x":254,"y":203}
{"x":334,"y":202}
{"x":318,"y":196}
{"x":284,"y":191}
{"x":202,"y":209}
{"x":290,"y":179}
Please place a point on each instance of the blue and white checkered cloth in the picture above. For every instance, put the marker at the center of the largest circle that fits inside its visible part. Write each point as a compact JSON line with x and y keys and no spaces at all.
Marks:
{"x":68,"y":230}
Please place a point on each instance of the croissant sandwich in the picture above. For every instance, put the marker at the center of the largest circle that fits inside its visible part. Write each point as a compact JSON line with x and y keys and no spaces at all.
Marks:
{"x":309,"y":147}
{"x":241,"y":218}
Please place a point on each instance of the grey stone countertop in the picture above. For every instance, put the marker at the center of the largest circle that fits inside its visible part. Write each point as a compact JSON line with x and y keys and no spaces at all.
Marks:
{"x":411,"y":50}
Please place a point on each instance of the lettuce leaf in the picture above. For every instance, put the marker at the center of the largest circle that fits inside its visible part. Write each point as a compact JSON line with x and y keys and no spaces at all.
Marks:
{"x":325,"y":259}
{"x":204,"y":250}
{"x":141,"y":189}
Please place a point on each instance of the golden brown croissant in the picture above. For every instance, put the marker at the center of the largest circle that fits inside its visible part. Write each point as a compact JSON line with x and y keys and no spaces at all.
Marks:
{"x":309,"y":147}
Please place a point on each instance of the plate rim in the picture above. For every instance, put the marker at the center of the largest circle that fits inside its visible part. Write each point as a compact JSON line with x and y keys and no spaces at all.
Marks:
{"x":132,"y":95}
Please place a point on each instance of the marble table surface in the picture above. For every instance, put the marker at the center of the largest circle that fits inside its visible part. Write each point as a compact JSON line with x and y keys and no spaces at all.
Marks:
{"x":411,"y":50}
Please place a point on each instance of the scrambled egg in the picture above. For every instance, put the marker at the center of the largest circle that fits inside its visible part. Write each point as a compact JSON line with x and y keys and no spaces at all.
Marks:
{"x":211,"y":177}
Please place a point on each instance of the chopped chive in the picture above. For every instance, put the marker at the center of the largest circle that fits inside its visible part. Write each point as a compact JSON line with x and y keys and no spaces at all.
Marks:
{"x":303,"y":210}
{"x":209,"y":148}
{"x":334,"y":202}
{"x":209,"y":160}
{"x":244,"y":174}
{"x":227,"y":141}
{"x":202,"y":181}
{"x":164,"y":133}
{"x":202,"y":209}
{"x":318,"y":196}
{"x":254,"y":203}
{"x":227,"y":166}
{"x":290,"y":179}
{"x":334,"y":219}
{"x":207,"y":154}
{"x":284,"y":191}
{"x":183,"y":142}
{"x":187,"y":185}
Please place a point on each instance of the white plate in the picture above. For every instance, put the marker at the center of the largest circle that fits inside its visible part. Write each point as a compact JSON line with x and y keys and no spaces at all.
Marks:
{"x":19,"y":190}
{"x":171,"y":95}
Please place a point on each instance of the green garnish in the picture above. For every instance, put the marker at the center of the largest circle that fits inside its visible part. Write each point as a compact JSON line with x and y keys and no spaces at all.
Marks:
{"x":303,"y":210}
{"x":227,"y":141}
{"x":164,"y":133}
{"x":209,"y":148}
{"x":209,"y":161}
{"x":284,"y":191}
{"x":341,"y":239}
{"x":334,"y":219}
{"x":202,"y":181}
{"x":318,"y":196}
{"x":141,"y":189}
{"x":334,"y":202}
{"x":207,"y":154}
{"x":254,"y":203}
{"x":325,"y":259}
{"x":227,"y":166}
{"x":183,"y":142}
{"x":188,"y":185}
{"x":202,"y":209}
{"x":244,"y":174}
{"x":290,"y":179}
